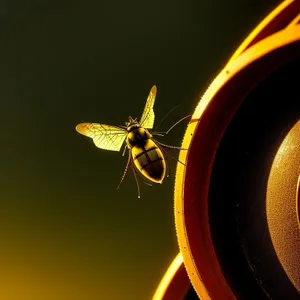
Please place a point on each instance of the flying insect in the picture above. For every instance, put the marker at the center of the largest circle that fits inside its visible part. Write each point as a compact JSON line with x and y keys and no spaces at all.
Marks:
{"x":147,"y":156}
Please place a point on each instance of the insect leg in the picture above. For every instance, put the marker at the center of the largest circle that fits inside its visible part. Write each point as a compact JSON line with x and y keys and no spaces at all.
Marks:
{"x":168,"y":146}
{"x":136,"y":180}
{"x":162,"y":146}
{"x":144,"y":181}
{"x":124,"y":150}
{"x":165,"y":154}
{"x":126,"y":169}
{"x":158,"y":133}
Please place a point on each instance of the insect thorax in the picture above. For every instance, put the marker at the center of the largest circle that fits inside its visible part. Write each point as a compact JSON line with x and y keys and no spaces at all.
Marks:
{"x":137,"y":136}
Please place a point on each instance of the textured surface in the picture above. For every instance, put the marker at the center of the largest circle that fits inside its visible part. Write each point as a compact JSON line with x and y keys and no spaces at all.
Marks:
{"x":281,"y":204}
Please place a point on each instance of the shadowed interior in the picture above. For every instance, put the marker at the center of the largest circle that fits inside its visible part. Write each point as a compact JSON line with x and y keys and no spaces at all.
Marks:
{"x":238,"y":186}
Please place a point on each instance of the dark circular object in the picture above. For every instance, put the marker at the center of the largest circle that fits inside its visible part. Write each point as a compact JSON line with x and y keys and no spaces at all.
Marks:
{"x":252,"y":207}
{"x":236,"y":201}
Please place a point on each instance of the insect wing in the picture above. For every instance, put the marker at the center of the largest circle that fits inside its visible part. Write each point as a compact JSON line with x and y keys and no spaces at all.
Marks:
{"x":104,"y":136}
{"x":147,"y":119}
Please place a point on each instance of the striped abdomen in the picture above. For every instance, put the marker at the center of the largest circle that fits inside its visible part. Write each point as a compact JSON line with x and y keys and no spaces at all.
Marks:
{"x":150,"y":161}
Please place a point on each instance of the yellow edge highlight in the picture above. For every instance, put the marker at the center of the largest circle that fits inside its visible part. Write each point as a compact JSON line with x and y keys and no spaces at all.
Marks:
{"x":169,"y":275}
{"x":262,"y":47}
{"x":258,"y":28}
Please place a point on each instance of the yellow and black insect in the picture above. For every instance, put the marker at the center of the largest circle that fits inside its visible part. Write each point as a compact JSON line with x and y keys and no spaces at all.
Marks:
{"x":146,"y":154}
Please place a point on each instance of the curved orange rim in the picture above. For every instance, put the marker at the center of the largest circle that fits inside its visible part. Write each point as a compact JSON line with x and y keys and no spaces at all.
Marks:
{"x":193,"y":232}
{"x":268,"y":26}
{"x":175,"y":282}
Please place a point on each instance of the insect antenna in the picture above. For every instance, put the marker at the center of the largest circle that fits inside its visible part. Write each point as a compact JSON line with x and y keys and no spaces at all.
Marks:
{"x":166,"y":132}
{"x":126,"y":170}
{"x":166,"y":115}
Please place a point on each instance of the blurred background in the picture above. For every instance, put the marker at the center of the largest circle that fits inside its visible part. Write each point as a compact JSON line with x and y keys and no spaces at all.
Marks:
{"x":65,"y":231}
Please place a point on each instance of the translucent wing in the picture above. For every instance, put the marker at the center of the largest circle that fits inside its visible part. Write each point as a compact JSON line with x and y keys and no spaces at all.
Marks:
{"x":147,"y":119}
{"x":104,"y":136}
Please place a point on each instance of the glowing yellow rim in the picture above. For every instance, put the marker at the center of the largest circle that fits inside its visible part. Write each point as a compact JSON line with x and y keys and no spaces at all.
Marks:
{"x":259,"y":28}
{"x":168,"y":277}
{"x":239,"y":59}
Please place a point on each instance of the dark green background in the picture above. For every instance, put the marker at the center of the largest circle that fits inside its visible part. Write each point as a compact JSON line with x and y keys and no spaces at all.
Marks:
{"x":65,"y":231}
